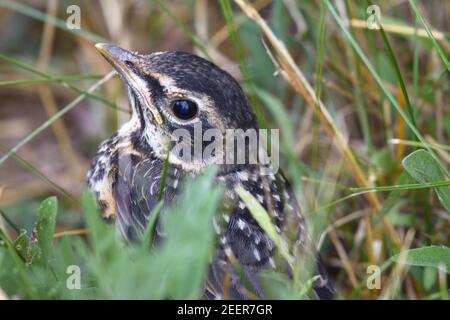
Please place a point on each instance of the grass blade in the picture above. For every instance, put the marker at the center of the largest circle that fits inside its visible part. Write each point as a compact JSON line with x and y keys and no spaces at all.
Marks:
{"x":74,"y":77}
{"x":40,"y":174}
{"x":56,"y":116}
{"x":380,"y":82}
{"x":436,"y":45}
{"x":399,"y":75}
{"x":32,"y":69}
{"x":41,"y":16}
{"x":240,"y":53}
{"x":183,"y":28}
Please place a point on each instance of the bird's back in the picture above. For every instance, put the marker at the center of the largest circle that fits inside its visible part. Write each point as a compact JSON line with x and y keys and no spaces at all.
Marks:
{"x":134,"y":179}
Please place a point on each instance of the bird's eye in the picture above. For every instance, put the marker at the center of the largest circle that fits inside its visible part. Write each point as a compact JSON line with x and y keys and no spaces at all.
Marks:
{"x":184,"y":109}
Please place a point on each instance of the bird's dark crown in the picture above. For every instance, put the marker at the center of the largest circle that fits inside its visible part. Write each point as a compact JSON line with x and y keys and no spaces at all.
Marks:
{"x":168,"y":71}
{"x":195,"y":74}
{"x":158,"y":80}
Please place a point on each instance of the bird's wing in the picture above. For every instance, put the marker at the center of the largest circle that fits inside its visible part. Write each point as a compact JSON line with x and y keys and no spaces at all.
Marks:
{"x":296,"y":225}
{"x":253,"y":248}
{"x":245,"y":241}
{"x":136,"y":188}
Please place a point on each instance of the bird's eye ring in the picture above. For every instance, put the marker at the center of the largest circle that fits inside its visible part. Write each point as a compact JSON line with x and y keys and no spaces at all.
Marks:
{"x":129,"y":64}
{"x":184,"y":109}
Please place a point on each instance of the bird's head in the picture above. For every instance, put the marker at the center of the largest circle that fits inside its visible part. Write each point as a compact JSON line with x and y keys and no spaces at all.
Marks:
{"x":177,"y":90}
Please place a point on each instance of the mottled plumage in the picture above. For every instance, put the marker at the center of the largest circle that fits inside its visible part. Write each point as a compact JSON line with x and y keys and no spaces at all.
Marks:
{"x":126,"y":173}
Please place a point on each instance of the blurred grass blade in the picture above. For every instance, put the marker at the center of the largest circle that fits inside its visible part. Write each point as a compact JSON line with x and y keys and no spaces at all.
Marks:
{"x":177,"y":267}
{"x":298,"y":81}
{"x":56,"y":116}
{"x":42,"y":16}
{"x":400,"y":187}
{"x":436,"y":146}
{"x":45,"y":227}
{"x":75,"y":77}
{"x":319,"y":79}
{"x":227,"y":12}
{"x":244,"y":278}
{"x":183,"y":28}
{"x":8,"y":221}
{"x":394,"y":62}
{"x":39,"y":174}
{"x":189,"y":245}
{"x":263,"y":219}
{"x":432,"y":256}
{"x":436,"y":45}
{"x":394,"y":197}
{"x":46,"y":76}
{"x":164,"y":174}
{"x":424,"y":169}
{"x":150,"y":232}
{"x":380,"y":81}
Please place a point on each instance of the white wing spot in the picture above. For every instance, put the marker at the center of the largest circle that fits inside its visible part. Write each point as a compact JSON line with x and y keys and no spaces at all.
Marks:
{"x":260,"y":198}
{"x":216,"y":226}
{"x":152,"y":186}
{"x":241,"y":224}
{"x":277,"y":214}
{"x":272,"y":263}
{"x":256,"y":254}
{"x":228,"y":251}
{"x":223,"y":240}
{"x":242,"y":175}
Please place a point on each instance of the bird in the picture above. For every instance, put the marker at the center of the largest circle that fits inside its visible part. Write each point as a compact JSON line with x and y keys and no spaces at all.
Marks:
{"x":174,"y":90}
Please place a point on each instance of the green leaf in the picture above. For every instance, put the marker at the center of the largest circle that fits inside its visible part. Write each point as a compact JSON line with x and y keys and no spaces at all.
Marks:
{"x":432,"y":256}
{"x":277,"y":286}
{"x":400,"y":219}
{"x":429,"y":278}
{"x":424,"y":169}
{"x":21,"y":243}
{"x":176,"y":268}
{"x":394,"y":198}
{"x":45,"y":226}
{"x":184,"y":256}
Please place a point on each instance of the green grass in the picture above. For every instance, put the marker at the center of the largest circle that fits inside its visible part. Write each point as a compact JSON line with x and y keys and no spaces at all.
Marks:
{"x":34,"y":265}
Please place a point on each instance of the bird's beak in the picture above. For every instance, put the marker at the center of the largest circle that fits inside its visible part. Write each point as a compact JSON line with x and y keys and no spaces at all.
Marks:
{"x":126,"y":64}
